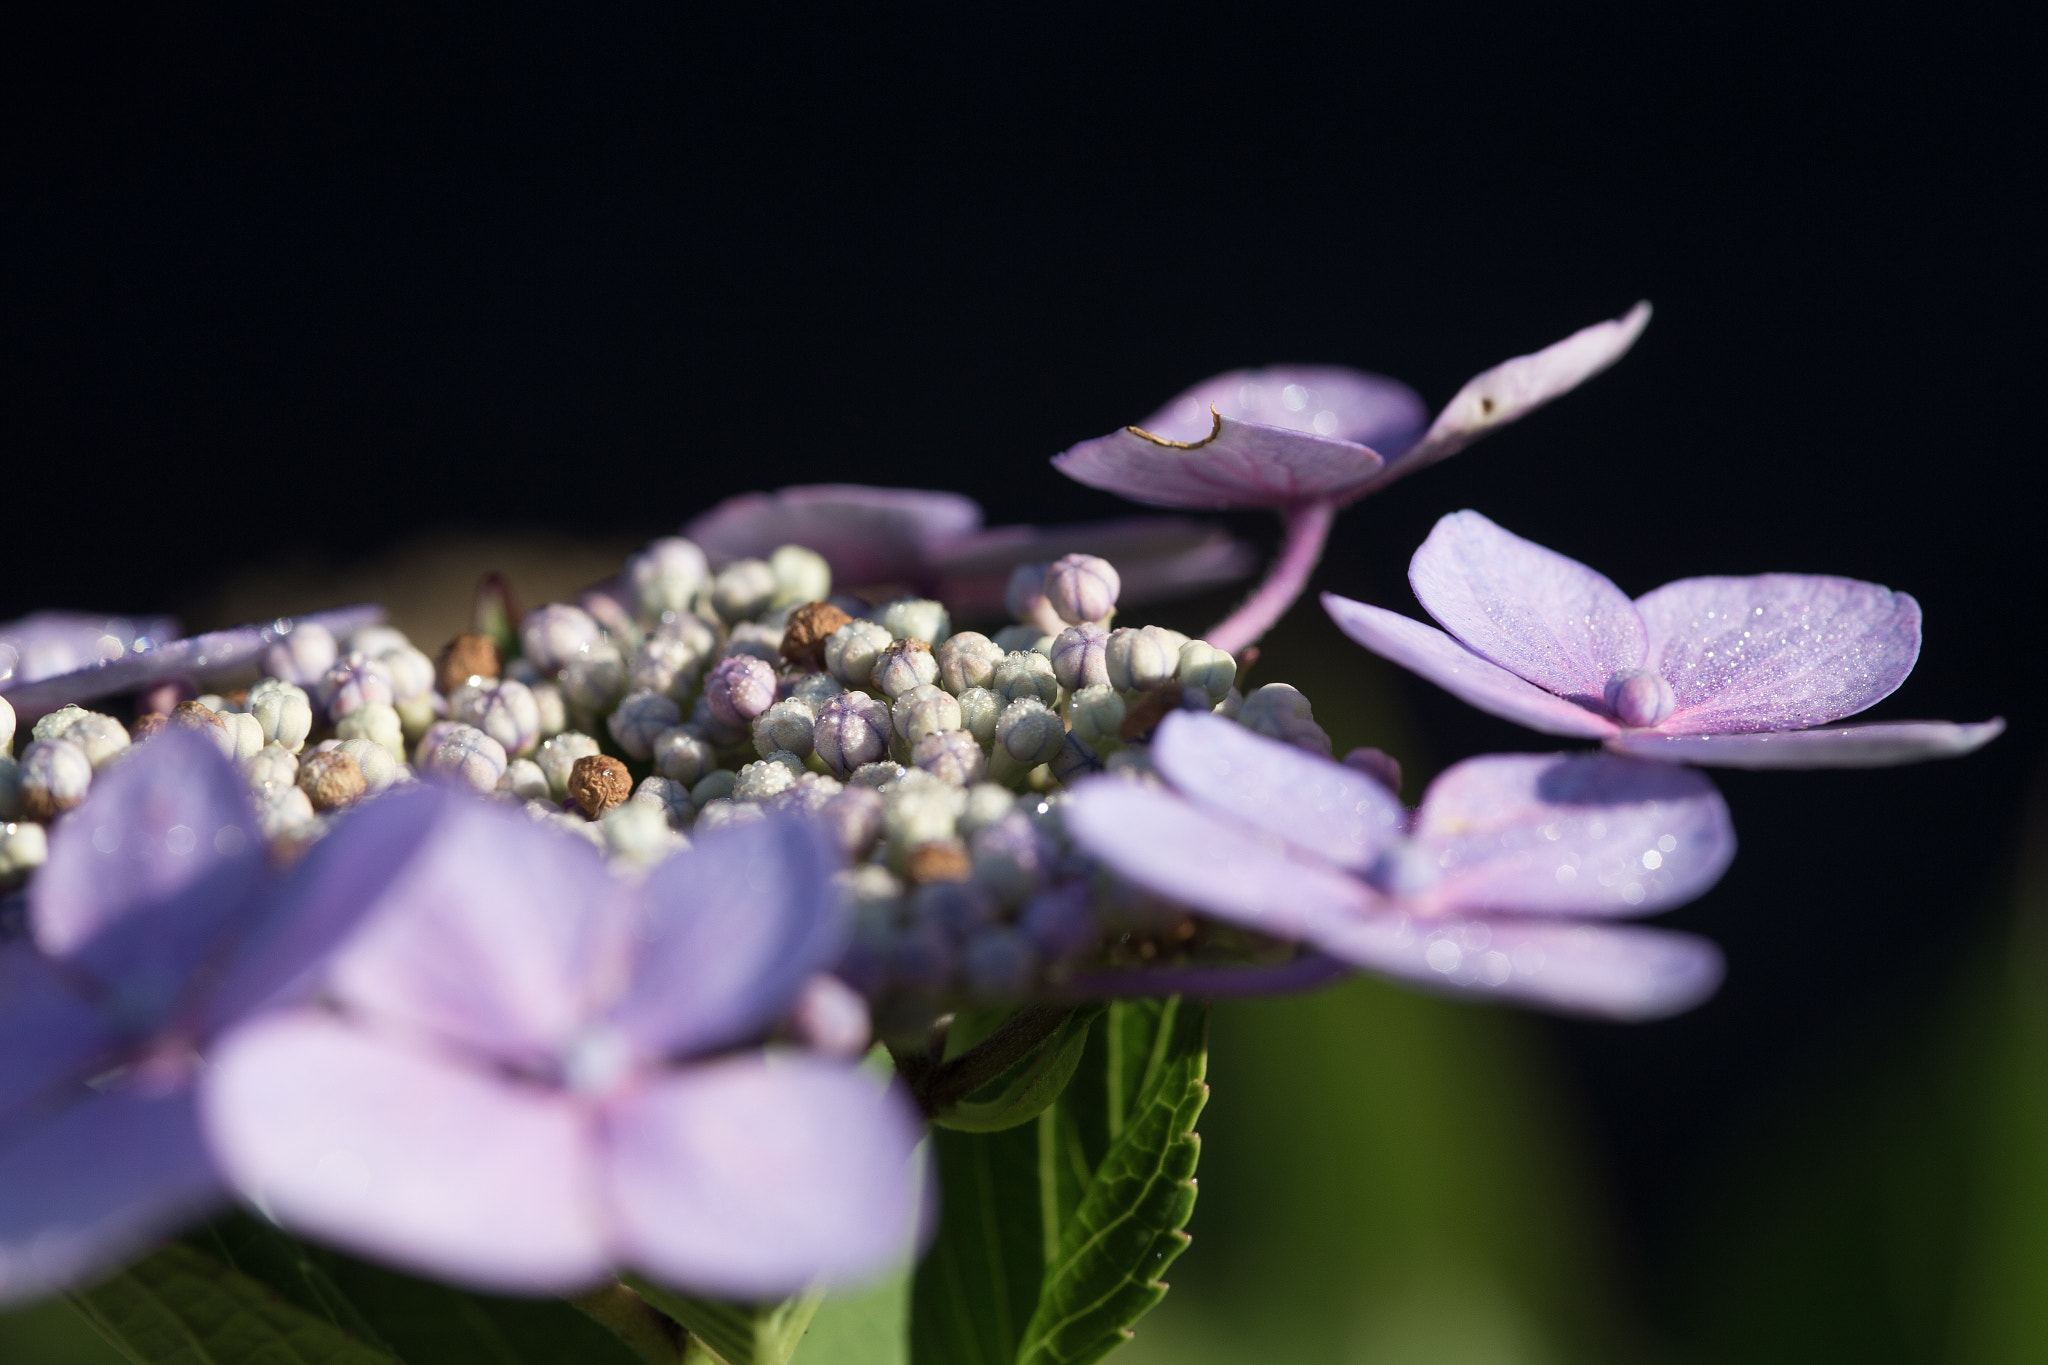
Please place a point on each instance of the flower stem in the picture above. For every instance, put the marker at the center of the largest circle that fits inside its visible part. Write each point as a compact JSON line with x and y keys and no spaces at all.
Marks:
{"x":650,"y":1333}
{"x":948,"y":1083}
{"x":1308,"y":526}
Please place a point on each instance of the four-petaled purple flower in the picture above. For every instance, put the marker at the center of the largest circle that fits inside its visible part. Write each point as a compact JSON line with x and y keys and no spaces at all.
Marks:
{"x":161,"y":924}
{"x":1738,"y":672}
{"x":1501,"y":883}
{"x":525,"y":1075}
{"x":1304,"y":441}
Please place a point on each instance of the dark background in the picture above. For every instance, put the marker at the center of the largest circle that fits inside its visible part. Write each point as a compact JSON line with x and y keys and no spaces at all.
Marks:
{"x":288,"y":291}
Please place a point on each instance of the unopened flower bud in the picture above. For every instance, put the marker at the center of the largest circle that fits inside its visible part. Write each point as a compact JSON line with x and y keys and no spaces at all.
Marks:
{"x":1030,"y":732}
{"x":640,"y":719}
{"x":6,"y":726}
{"x":713,"y":786}
{"x":917,"y":618}
{"x":1010,"y":858}
{"x":283,"y":812}
{"x":101,"y":736}
{"x":332,"y":780}
{"x":919,"y":813}
{"x":412,"y":674}
{"x":272,"y":763}
{"x":683,"y":755}
{"x":739,"y":688}
{"x":1207,"y":669}
{"x":376,"y":640}
{"x":593,"y":682}
{"x":505,"y":710}
{"x":469,"y":757}
{"x":762,"y":639}
{"x":1024,"y":596}
{"x":706,"y":722}
{"x":355,"y":680}
{"x":979,"y":710}
{"x":1081,"y":588}
{"x":763,"y":778}
{"x":557,"y":758}
{"x":671,"y":798}
{"x":743,"y":590}
{"x":852,"y":651}
{"x":431,"y":740}
{"x":789,"y":725}
{"x":375,"y":722}
{"x":247,"y":733}
{"x":1278,"y":711}
{"x":882,"y":775}
{"x":666,"y":577}
{"x":1077,"y":656}
{"x":1231,"y":705}
{"x":692,"y":630}
{"x":941,"y":860}
{"x":23,"y":848}
{"x":904,"y":664}
{"x":204,"y":721}
{"x":1140,"y":658}
{"x":1380,"y":766}
{"x":924,"y":710}
{"x":283,"y":710}
{"x":1010,"y":639}
{"x":55,"y":776}
{"x":854,"y":815}
{"x":554,"y":635}
{"x":952,"y":756}
{"x":987,"y":802}
{"x":801,"y":575}
{"x":809,"y":794}
{"x":637,"y":834}
{"x":966,"y":659}
{"x":597,"y":782}
{"x":830,"y":1018}
{"x":1097,"y":714}
{"x":1026,"y":673}
{"x":548,"y":705}
{"x":380,"y":768}
{"x":664,"y":664}
{"x":302,"y":656}
{"x":1641,"y":698}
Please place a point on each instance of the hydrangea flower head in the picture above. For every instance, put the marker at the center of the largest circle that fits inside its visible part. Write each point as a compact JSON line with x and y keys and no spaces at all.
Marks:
{"x":523,"y":1078}
{"x":158,"y":923}
{"x":1741,"y":672}
{"x":1504,"y":882}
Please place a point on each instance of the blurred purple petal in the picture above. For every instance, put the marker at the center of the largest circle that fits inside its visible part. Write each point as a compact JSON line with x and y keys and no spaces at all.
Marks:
{"x":1515,"y":388}
{"x":93,"y":1184}
{"x":868,"y":535}
{"x":729,"y":931}
{"x":1873,"y":744}
{"x":1305,"y":973}
{"x":1238,"y":464}
{"x":755,"y":1177}
{"x":1777,"y":651}
{"x":1609,"y":971}
{"x":52,"y":642}
{"x":54,"y":1039}
{"x":1315,"y":804}
{"x":197,"y":656}
{"x":1534,"y":612}
{"x":1437,"y":657}
{"x":503,"y":935}
{"x":327,"y":893}
{"x":145,"y":878}
{"x":1158,"y":558}
{"x":1176,"y":849}
{"x":408,"y":1157}
{"x":1326,"y":400}
{"x":1572,"y":834}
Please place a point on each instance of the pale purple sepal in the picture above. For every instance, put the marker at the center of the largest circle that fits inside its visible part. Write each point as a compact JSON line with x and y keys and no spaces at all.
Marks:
{"x":48,"y":643}
{"x":868,"y":535}
{"x":1324,"y":400}
{"x":197,"y":656}
{"x":1571,"y":834}
{"x":426,"y":1161}
{"x":1436,"y":656}
{"x":1777,"y":651}
{"x":1515,"y":388}
{"x":729,"y":932}
{"x":1158,"y":558}
{"x":746,"y":1177}
{"x":1546,"y":618}
{"x":1335,"y":811}
{"x":1237,"y":464}
{"x":1304,"y":973}
{"x":54,"y":1037}
{"x":1872,"y":744}
{"x":1621,"y":972}
{"x":94,"y":1184}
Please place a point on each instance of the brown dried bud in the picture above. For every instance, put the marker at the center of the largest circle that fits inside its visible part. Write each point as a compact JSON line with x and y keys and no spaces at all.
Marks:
{"x":598,"y":782}
{"x":468,"y":655}
{"x":1144,"y":714}
{"x":190,"y":715}
{"x":236,"y":700}
{"x":810,"y":625}
{"x":147,"y":724}
{"x":941,"y":860}
{"x":332,"y":779}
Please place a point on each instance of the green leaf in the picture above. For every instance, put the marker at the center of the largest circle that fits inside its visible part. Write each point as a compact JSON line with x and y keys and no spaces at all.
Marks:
{"x":181,"y":1306}
{"x":1028,"y":1087}
{"x":741,"y":1333}
{"x":977,"y":1286}
{"x":862,"y":1327}
{"x":1128,"y":1226}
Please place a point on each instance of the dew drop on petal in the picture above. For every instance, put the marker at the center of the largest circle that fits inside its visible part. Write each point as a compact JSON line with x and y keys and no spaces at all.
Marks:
{"x":1443,"y":956}
{"x":107,"y":839}
{"x":1667,"y":843}
{"x":1633,"y":893}
{"x":229,"y":840}
{"x":1652,"y":859}
{"x":180,"y":840}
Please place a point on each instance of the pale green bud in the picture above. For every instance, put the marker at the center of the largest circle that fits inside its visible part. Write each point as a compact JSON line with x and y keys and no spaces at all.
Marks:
{"x":852,"y":651}
{"x":637,"y":834}
{"x":101,"y":736}
{"x":1207,"y":669}
{"x":713,"y":786}
{"x":767,"y":777}
{"x":380,"y":769}
{"x":23,"y":848}
{"x":979,"y":711}
{"x":284,"y":711}
{"x":373,"y":721}
{"x":743,"y":590}
{"x":801,"y":575}
{"x":666,"y":577}
{"x":1139,"y":658}
{"x":272,"y":763}
{"x":788,"y":726}
{"x":558,"y":755}
{"x":917,"y":618}
{"x":1280,"y":712}
{"x":1025,"y":673}
{"x":1097,"y":713}
{"x":6,"y":726}
{"x":966,"y":659}
{"x":924,"y":710}
{"x":641,"y":718}
{"x":683,"y":755}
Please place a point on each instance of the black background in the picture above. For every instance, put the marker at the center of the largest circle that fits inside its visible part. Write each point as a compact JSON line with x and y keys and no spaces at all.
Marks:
{"x":318,"y":289}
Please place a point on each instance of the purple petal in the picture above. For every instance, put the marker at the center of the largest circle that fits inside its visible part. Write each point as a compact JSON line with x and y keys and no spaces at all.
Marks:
{"x":729,"y":932}
{"x":502,"y":935}
{"x":407,"y":1156}
{"x":196,"y":656}
{"x":1777,"y":651}
{"x":868,"y":535}
{"x":1436,"y":656}
{"x":1326,"y":400}
{"x":1572,"y":834}
{"x":53,"y":642}
{"x":1173,"y":848}
{"x":1874,"y":744}
{"x":1304,"y":973}
{"x":1515,"y":388}
{"x":1609,"y":971}
{"x":147,"y":877}
{"x":1158,"y":558}
{"x":1237,"y":464}
{"x":95,"y":1183}
{"x":326,"y":895}
{"x":1537,"y":614}
{"x":1314,"y":804}
{"x":755,"y":1177}
{"x":54,"y":1038}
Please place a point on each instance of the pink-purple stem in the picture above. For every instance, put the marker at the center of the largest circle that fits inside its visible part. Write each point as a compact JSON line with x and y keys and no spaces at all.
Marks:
{"x":1308,"y":526}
